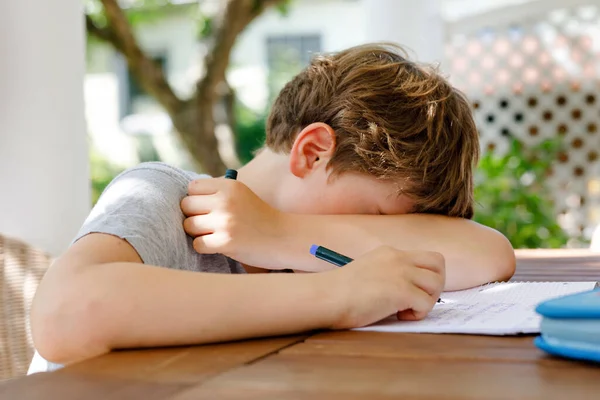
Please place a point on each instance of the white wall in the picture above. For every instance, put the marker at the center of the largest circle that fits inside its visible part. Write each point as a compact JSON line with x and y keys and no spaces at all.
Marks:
{"x":341,"y":24}
{"x":417,"y":25}
{"x":44,"y":185}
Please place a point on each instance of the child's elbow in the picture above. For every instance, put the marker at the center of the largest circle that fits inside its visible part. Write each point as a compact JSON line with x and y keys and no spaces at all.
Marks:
{"x":64,"y":320}
{"x":502,"y":261}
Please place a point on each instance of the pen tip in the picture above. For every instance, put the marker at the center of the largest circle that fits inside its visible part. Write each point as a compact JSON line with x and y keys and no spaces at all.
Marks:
{"x":313,"y":249}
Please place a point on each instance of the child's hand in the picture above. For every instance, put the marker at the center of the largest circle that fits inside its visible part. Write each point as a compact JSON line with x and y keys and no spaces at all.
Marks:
{"x":225,"y":216}
{"x":387,"y":281}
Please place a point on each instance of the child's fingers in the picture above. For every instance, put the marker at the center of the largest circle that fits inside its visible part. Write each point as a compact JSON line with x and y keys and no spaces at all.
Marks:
{"x":207,"y":186}
{"x":431,"y":260}
{"x":420,"y":303}
{"x":411,"y":315}
{"x":211,"y":243}
{"x":197,"y":205}
{"x":200,"y":245}
{"x":431,"y":282}
{"x":419,"y":312}
{"x":198,"y":225}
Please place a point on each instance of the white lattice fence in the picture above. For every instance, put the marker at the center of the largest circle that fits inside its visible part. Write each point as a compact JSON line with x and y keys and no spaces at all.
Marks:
{"x":537,"y":78}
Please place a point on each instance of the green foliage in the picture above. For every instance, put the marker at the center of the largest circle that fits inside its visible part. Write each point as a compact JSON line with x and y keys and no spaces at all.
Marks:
{"x":139,"y":11}
{"x":102,"y":172}
{"x":284,"y":7}
{"x":95,"y":10}
{"x":249,"y":131}
{"x":511,"y":195}
{"x":205,"y":26}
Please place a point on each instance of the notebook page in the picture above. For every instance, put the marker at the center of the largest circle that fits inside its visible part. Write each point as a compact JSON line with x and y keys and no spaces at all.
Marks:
{"x":494,"y":309}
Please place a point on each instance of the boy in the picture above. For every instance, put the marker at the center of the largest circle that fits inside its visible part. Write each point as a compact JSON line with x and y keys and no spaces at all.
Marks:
{"x":357,"y":134}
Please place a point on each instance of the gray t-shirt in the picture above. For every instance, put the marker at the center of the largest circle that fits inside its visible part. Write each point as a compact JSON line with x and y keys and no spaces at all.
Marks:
{"x":141,"y":205}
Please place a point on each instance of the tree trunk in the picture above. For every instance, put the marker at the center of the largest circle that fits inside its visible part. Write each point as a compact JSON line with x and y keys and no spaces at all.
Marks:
{"x":194,"y":120}
{"x":195,"y":126}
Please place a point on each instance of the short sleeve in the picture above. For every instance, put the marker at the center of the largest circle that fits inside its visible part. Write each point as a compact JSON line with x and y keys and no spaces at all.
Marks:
{"x":142,"y":206}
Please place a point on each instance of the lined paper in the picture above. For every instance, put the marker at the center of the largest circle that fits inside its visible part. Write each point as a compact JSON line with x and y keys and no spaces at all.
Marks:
{"x":504,"y":308}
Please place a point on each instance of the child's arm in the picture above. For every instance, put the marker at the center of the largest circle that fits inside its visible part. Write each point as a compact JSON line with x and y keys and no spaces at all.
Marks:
{"x":98,"y":297}
{"x":237,"y":223}
{"x":475,"y":254}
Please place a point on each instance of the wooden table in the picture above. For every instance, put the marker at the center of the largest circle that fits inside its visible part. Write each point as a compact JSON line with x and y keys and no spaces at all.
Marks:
{"x":339,"y":365}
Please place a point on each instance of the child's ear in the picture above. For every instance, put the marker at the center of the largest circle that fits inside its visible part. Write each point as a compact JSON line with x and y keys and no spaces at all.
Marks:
{"x":313,"y":148}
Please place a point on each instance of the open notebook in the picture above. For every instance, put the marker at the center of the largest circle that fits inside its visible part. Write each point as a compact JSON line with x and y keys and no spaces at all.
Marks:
{"x":504,"y":308}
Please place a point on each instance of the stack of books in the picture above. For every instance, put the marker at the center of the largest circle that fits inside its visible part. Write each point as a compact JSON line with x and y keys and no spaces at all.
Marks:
{"x":570,"y":326}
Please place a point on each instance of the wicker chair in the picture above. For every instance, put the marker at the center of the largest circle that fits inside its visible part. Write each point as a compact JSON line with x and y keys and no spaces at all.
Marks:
{"x":21,"y":269}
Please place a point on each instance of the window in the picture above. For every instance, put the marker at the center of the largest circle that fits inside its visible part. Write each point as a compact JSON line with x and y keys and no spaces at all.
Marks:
{"x":133,"y":98}
{"x":287,"y":55}
{"x":292,"y":50}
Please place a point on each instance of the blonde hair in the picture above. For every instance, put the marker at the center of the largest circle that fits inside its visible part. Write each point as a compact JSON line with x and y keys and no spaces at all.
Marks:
{"x":393,"y":119}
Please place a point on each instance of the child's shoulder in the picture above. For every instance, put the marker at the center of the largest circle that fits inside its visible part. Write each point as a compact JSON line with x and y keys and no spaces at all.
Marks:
{"x":160,"y":171}
{"x":149,"y":181}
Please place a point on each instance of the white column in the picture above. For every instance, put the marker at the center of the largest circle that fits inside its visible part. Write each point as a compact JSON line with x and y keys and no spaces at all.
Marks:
{"x":44,"y":178}
{"x":414,"y":24}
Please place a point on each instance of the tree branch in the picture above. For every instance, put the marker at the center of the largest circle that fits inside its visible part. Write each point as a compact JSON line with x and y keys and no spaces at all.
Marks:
{"x":199,"y":113}
{"x":98,"y":32}
{"x":238,"y":15}
{"x":149,"y":75}
{"x":194,"y":119}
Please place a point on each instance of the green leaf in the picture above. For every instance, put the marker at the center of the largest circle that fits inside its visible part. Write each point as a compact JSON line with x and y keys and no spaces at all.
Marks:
{"x":141,"y":11}
{"x":205,"y":27}
{"x":511,"y":195}
{"x":284,"y":7}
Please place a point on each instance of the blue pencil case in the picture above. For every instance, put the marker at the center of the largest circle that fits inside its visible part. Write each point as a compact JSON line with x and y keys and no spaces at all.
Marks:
{"x":570,"y":326}
{"x":574,"y":350}
{"x":584,"y":305}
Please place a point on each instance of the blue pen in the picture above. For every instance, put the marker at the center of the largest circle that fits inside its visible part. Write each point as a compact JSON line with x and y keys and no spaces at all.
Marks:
{"x":334,"y":258}
{"x":231,"y":174}
{"x":330,"y":256}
